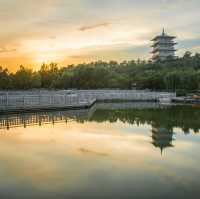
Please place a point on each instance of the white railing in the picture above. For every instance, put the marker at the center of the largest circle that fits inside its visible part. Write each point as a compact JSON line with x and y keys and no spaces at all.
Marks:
{"x":77,"y":98}
{"x":43,"y":101}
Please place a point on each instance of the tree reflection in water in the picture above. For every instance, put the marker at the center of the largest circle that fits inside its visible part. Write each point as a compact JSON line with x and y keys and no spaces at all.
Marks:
{"x":163,"y":119}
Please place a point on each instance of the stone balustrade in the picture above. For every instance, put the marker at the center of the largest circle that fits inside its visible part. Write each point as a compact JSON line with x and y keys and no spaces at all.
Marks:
{"x":31,"y":100}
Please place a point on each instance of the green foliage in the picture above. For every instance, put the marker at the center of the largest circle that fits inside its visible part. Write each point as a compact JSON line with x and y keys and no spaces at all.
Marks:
{"x":23,"y":79}
{"x":182,"y":74}
{"x":5,"y":78}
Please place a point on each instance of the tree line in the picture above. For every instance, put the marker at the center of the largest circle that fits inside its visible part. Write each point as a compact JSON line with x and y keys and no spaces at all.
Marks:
{"x":181,"y":74}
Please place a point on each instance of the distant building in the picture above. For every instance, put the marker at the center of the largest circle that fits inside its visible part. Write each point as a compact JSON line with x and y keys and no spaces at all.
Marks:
{"x":163,"y":47}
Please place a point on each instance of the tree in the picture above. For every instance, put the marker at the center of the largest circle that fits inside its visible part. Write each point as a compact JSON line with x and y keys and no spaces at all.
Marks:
{"x":5,"y":79}
{"x":182,"y":73}
{"x":23,"y":78}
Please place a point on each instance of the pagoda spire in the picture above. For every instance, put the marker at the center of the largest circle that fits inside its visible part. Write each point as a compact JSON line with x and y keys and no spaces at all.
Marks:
{"x":163,"y":32}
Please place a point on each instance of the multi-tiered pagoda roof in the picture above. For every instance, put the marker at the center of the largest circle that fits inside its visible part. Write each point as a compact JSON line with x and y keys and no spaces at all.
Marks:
{"x":163,"y":47}
{"x":162,"y":137}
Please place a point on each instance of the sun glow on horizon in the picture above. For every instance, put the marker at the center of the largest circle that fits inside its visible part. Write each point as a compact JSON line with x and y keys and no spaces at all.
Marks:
{"x":46,"y":58}
{"x":76,"y":31}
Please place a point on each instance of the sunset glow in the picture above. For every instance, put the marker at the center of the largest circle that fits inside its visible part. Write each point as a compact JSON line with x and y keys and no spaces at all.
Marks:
{"x":79,"y":31}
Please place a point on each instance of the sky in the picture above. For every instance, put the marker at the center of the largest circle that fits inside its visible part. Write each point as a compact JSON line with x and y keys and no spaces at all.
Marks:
{"x":75,"y":31}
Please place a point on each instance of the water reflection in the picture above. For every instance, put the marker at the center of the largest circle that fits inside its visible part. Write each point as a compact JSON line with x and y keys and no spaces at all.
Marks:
{"x":8,"y":121}
{"x":162,"y":137}
{"x":169,"y":117}
{"x":111,"y":147}
{"x":162,"y":119}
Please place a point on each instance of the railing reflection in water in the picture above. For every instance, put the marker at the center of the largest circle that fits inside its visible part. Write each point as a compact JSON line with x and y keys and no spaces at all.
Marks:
{"x":40,"y":118}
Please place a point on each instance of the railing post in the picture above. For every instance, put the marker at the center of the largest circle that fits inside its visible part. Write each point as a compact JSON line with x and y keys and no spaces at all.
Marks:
{"x":50,"y":99}
{"x":65,"y":99}
{"x":23,"y":100}
{"x":7,"y":99}
{"x":39,"y":99}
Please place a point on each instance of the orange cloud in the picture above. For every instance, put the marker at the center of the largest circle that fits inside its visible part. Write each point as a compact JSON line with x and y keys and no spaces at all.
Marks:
{"x":85,"y":28}
{"x":7,"y":50}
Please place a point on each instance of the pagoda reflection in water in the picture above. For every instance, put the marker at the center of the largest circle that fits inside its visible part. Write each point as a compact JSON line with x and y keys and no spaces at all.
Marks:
{"x":162,"y":119}
{"x":162,"y":137}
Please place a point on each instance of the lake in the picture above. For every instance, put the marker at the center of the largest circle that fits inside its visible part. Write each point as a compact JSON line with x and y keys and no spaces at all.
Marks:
{"x":112,"y":150}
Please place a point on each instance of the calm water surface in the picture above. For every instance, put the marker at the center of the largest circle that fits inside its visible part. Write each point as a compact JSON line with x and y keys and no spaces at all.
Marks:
{"x":112,"y":151}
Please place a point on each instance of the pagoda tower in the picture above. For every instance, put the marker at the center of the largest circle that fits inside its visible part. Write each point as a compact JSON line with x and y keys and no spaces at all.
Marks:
{"x":163,"y":47}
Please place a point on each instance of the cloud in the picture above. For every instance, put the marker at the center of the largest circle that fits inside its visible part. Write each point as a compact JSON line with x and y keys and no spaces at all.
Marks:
{"x":87,"y":151}
{"x":189,"y":43}
{"x":90,"y":27}
{"x":7,"y":50}
{"x":77,"y":31}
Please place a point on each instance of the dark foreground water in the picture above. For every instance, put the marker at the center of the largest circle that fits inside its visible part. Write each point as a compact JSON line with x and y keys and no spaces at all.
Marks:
{"x":117,"y":151}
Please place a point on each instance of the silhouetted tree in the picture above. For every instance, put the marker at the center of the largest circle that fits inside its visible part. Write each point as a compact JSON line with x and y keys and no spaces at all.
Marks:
{"x":180,"y":74}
